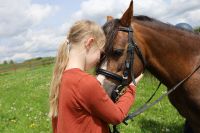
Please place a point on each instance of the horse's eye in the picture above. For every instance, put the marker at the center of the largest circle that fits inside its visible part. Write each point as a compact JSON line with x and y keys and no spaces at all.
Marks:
{"x":117,"y":52}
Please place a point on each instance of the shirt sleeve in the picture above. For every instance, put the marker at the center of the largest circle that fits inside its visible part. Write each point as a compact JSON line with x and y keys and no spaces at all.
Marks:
{"x":98,"y":103}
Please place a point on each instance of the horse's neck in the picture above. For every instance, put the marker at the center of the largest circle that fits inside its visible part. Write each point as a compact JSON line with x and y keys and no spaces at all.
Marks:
{"x":169,"y":56}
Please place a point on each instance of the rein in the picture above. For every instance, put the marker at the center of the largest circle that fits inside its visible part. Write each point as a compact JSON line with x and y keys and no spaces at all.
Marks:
{"x":146,"y":106}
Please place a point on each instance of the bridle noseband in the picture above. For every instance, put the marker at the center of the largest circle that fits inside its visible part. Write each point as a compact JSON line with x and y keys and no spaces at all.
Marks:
{"x":123,"y":80}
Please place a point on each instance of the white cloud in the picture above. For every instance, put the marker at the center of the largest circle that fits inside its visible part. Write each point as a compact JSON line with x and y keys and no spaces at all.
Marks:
{"x":98,"y":9}
{"x":19,"y":15}
{"x":23,"y":35}
{"x":35,"y":43}
{"x":172,"y":11}
{"x":37,"y":12}
{"x":42,"y":40}
{"x":19,"y":31}
{"x":18,"y":57}
{"x":21,"y":56}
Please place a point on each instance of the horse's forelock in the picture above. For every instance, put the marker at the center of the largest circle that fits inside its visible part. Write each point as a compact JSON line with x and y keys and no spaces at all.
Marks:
{"x":110,"y":29}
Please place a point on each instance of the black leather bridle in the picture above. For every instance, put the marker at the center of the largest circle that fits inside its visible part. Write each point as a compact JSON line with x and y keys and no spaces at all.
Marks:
{"x":123,"y":80}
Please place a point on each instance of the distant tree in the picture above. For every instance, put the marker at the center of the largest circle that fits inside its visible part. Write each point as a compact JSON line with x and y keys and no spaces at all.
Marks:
{"x":38,"y":58}
{"x":197,"y":29}
{"x":11,"y":62}
{"x":5,"y":62}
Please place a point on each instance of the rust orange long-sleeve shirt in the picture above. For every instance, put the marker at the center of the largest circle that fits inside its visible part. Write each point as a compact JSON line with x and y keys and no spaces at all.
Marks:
{"x":84,"y":106}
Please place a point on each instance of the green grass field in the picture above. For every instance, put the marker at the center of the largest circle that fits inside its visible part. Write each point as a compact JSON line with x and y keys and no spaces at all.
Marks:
{"x":24,"y":105}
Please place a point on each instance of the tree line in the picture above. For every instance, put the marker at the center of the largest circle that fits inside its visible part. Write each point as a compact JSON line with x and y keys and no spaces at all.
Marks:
{"x":197,"y":29}
{"x":5,"y":62}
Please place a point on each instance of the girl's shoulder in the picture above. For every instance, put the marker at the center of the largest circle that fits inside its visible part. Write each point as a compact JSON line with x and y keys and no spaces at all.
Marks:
{"x":79,"y":75}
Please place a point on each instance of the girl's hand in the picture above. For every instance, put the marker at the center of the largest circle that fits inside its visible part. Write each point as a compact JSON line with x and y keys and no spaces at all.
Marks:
{"x":137,"y":79}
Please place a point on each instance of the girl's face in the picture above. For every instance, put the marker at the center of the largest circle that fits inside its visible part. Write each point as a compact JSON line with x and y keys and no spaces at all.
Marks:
{"x":92,"y":56}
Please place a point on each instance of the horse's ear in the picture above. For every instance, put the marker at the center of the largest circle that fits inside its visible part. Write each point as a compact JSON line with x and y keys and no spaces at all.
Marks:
{"x":109,"y":18}
{"x":127,"y":16}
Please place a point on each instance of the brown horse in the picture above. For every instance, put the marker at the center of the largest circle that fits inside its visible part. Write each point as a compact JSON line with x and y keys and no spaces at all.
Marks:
{"x":170,"y":55}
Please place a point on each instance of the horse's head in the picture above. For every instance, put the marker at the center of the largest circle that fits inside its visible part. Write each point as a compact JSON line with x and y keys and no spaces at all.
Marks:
{"x":122,"y":60}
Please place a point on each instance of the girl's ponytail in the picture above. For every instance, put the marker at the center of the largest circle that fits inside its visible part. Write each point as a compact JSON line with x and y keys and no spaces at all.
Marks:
{"x":60,"y":65}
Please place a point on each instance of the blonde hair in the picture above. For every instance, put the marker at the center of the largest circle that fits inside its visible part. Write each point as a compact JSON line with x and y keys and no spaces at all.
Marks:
{"x":77,"y":33}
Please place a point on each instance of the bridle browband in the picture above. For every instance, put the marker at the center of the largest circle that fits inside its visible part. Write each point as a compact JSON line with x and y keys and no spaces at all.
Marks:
{"x":123,"y":80}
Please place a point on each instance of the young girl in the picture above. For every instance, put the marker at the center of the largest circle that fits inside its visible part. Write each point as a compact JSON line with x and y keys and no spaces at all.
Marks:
{"x":78,"y":103}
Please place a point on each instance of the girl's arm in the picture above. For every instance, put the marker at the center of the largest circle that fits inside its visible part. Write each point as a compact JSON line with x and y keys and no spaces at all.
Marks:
{"x":96,"y":101}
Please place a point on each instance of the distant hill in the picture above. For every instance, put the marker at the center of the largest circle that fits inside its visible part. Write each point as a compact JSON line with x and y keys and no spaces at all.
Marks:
{"x":41,"y":59}
{"x":30,"y":64}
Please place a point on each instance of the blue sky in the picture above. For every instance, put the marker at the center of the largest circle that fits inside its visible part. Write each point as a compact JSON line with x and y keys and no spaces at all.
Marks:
{"x":35,"y":28}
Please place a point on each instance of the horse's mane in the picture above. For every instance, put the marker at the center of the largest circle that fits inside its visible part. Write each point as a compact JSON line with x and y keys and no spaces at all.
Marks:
{"x":143,"y":18}
{"x":156,"y":24}
{"x":110,"y":28}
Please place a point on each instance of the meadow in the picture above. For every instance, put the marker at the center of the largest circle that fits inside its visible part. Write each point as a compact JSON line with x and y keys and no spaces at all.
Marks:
{"x":24,"y":105}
